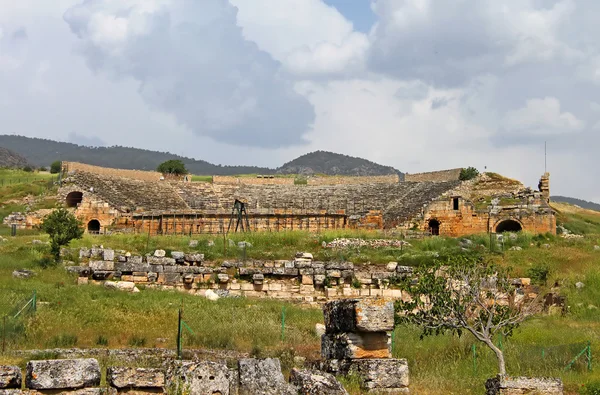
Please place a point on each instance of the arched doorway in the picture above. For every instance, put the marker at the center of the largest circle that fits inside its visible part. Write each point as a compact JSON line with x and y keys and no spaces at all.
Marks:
{"x":509,"y":225}
{"x":93,"y":226}
{"x":434,"y":227}
{"x":74,"y":198}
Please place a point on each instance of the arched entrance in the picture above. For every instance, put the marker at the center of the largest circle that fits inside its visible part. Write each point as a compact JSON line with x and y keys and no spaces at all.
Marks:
{"x":509,"y":225}
{"x":434,"y":227}
{"x":74,"y":198}
{"x":93,"y":226}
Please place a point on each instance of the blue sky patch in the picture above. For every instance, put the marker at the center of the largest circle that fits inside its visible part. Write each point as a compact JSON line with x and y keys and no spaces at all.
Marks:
{"x":357,"y":11}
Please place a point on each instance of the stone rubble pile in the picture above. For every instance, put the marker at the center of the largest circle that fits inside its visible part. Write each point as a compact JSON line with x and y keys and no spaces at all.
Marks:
{"x":357,"y":340}
{"x":371,"y":243}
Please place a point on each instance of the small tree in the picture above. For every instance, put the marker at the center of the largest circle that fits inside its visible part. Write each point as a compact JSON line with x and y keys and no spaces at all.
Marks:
{"x":62,"y":226}
{"x":467,"y":294}
{"x":55,"y":167}
{"x":468,"y":174}
{"x":172,"y":166}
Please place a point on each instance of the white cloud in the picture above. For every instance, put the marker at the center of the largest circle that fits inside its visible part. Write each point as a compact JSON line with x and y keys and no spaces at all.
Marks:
{"x":542,"y":117}
{"x":191,"y":61}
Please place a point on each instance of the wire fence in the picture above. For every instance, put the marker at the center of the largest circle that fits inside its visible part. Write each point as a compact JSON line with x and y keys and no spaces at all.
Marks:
{"x":15,"y":310}
{"x":28,"y":180}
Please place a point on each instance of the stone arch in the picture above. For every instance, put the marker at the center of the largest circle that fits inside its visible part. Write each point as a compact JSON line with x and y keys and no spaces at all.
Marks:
{"x":74,"y":198}
{"x":508,"y":225}
{"x":434,"y":227}
{"x":93,"y":226}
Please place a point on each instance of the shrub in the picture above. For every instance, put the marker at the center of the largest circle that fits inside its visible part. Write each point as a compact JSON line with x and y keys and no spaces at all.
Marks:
{"x":172,"y":166}
{"x":592,"y":388}
{"x":137,"y":341}
{"x":101,"y":341}
{"x":63,"y":340}
{"x":356,"y":283}
{"x":468,"y":174}
{"x":62,"y":226}
{"x":539,"y":273}
{"x":28,"y":169}
{"x":55,"y":167}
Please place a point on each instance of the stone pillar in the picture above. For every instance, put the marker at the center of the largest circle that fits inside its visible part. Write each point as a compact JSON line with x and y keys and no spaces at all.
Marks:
{"x":357,"y":340}
{"x":544,"y":187}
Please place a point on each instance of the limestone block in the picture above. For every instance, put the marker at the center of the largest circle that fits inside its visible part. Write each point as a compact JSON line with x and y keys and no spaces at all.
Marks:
{"x":108,"y":254}
{"x":354,"y":315}
{"x":302,"y":263}
{"x":249,"y":271}
{"x":235,"y":286}
{"x":524,"y":385}
{"x":404,"y":270}
{"x":135,"y":259}
{"x":307,"y":280}
{"x":169,"y":261}
{"x":290,"y":272}
{"x":320,"y":271}
{"x":223,"y":278}
{"x":201,"y":377}
{"x":84,"y":253}
{"x":391,"y":266}
{"x":347,"y":274}
{"x":331,"y":292}
{"x":319,"y":279}
{"x":316,"y":382}
{"x":279,"y":271}
{"x":306,"y":272}
{"x":101,"y":275}
{"x":304,"y":255}
{"x":258,"y":278}
{"x":82,"y":271}
{"x":156,"y":268}
{"x":339,"y":266}
{"x":127,"y":278}
{"x":127,"y":286}
{"x":381,"y":275}
{"x":275,"y":287}
{"x":172,"y":278}
{"x":379,"y":374}
{"x":228,"y":264}
{"x":356,"y":345}
{"x":160,"y":253}
{"x":120,"y":377}
{"x":194,"y":258}
{"x":350,"y":292}
{"x":152,"y":277}
{"x":102,"y":265}
{"x":334,"y":273}
{"x":121,"y":258}
{"x":247,"y":286}
{"x":10,"y":377}
{"x":62,"y":374}
{"x":177,"y":255}
{"x":83,"y":280}
{"x":131,"y":267}
{"x":262,"y":377}
{"x":95,"y":252}
{"x":307,"y":289}
{"x":289,"y":264}
{"x":140,"y":279}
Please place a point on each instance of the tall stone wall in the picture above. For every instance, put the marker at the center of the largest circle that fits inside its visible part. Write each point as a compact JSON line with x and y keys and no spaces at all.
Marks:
{"x":354,"y":180}
{"x":69,"y":167}
{"x":434,"y":176}
{"x":229,"y":180}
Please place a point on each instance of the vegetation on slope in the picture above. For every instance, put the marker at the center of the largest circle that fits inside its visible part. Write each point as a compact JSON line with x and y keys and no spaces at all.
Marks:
{"x":11,"y":159}
{"x":577,"y":202}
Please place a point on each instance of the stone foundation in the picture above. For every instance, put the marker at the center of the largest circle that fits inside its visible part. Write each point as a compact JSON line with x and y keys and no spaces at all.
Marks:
{"x":524,"y":386}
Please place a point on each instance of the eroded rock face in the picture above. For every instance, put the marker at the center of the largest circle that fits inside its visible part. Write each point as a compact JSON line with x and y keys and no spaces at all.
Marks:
{"x":63,"y":374}
{"x":316,"y":382}
{"x":10,"y":377}
{"x":523,"y":385}
{"x":203,"y":377}
{"x":356,"y":345}
{"x":359,"y":315}
{"x":120,"y":377}
{"x":262,"y":377}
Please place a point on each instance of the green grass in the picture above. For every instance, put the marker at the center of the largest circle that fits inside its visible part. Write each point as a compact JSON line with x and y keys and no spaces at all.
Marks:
{"x":196,"y":178}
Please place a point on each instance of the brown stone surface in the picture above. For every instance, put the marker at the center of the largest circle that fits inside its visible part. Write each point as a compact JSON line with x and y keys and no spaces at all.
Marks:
{"x":122,"y":377}
{"x":356,"y":345}
{"x":359,"y":315}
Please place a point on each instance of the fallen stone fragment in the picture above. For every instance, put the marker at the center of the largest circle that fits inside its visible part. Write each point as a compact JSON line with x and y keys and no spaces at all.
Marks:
{"x":160,"y":253}
{"x":202,"y":377}
{"x":523,"y":385}
{"x":316,"y":382}
{"x":10,"y":377}
{"x":262,"y":377}
{"x":211,"y":295}
{"x":23,"y":273}
{"x":120,"y":377}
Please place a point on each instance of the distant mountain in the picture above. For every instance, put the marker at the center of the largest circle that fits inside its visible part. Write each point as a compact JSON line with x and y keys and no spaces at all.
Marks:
{"x":323,"y":162}
{"x":11,"y":159}
{"x":577,"y":202}
{"x":42,"y":152}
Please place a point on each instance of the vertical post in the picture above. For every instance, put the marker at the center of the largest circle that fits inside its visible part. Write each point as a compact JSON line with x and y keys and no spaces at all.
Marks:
{"x":282,"y":323}
{"x":393,"y":341}
{"x":589,"y":356}
{"x":179,"y":339}
{"x":224,"y":244}
{"x":4,"y":335}
{"x":34,"y":301}
{"x":473,"y":347}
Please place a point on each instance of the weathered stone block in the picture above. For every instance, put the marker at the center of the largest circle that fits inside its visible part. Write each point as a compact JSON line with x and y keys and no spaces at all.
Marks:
{"x":378,"y":374}
{"x":131,"y":267}
{"x":10,"y":377}
{"x":160,"y":253}
{"x":135,"y":259}
{"x":356,"y":345}
{"x":173,"y":278}
{"x":262,"y":376}
{"x":307,"y":280}
{"x":404,"y":270}
{"x":194,"y":258}
{"x":82,"y":271}
{"x":258,"y":278}
{"x":153,"y":260}
{"x":302,"y":263}
{"x":290,"y":272}
{"x":524,"y":385}
{"x":334,"y":273}
{"x":223,"y":278}
{"x":108,"y":254}
{"x":316,"y":382}
{"x":156,"y":268}
{"x":203,"y":377}
{"x":339,"y":266}
{"x":306,"y":272}
{"x":102,"y":275}
{"x":120,"y":377}
{"x":359,"y":315}
{"x":102,"y":265}
{"x":62,"y":374}
{"x":177,"y":255}
{"x":319,"y":279}
{"x":84,"y":253}
{"x":95,"y":252}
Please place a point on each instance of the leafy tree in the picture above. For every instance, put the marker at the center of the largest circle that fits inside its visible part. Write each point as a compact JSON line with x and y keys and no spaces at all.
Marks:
{"x":55,"y":167}
{"x":62,"y":226}
{"x":468,"y":174}
{"x":467,"y":294}
{"x":28,"y":169}
{"x":173,"y":166}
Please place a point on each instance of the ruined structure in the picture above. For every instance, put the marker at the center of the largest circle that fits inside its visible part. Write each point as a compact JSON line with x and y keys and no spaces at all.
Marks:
{"x":435,"y":203}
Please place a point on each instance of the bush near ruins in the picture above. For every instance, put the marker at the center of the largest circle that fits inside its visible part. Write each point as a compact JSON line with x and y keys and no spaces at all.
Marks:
{"x":172,"y":166}
{"x":464,"y":294}
{"x":55,"y":167}
{"x":62,"y":226}
{"x":468,"y":174}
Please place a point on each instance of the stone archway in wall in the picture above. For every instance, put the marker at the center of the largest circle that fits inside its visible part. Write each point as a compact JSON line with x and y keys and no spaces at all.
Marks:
{"x":508,"y":225}
{"x":74,"y":198}
{"x":93,"y":226}
{"x":434,"y":227}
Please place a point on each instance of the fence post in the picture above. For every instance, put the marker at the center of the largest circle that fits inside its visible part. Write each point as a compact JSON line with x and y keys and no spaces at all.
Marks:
{"x":179,"y":340}
{"x":282,"y":323}
{"x":589,"y":356}
{"x":34,"y":301}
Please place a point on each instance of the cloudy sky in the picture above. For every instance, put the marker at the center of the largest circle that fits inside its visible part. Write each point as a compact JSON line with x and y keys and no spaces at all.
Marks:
{"x":415,"y":84}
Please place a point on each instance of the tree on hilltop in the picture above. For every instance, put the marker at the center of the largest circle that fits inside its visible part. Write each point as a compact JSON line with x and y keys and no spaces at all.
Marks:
{"x":468,"y":173}
{"x":465,"y":294}
{"x":173,"y":166}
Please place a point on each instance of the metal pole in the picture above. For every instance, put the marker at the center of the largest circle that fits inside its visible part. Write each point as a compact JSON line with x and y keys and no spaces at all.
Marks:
{"x":34,"y":303}
{"x":179,"y":342}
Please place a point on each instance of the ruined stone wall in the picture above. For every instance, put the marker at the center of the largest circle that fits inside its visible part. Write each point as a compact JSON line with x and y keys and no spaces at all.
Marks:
{"x":354,"y":180}
{"x":230,"y":180}
{"x":134,"y":174}
{"x":434,"y":176}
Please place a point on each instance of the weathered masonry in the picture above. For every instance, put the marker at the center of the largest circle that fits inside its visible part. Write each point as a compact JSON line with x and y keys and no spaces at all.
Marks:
{"x":138,"y":202}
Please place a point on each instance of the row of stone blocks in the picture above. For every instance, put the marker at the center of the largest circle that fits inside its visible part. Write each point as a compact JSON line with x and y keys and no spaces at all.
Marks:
{"x":357,"y":340}
{"x":82,"y":377}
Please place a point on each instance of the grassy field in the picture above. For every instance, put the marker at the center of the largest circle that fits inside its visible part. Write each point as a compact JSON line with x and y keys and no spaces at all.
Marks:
{"x":91,"y":316}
